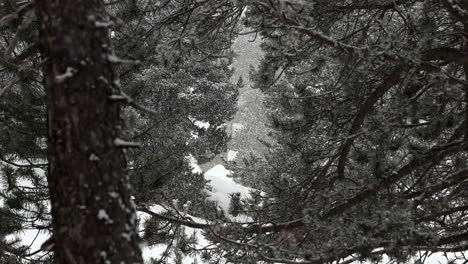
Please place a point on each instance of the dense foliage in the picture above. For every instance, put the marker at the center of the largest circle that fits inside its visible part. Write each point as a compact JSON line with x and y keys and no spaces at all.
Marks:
{"x":179,"y":79}
{"x":368,"y":101}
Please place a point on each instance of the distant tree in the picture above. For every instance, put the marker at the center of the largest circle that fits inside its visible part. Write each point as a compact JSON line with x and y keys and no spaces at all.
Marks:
{"x":183,"y":76}
{"x":195,"y":92}
{"x":249,"y":129}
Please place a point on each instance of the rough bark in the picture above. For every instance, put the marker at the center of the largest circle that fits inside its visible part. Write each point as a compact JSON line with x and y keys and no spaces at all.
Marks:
{"x":93,"y":215}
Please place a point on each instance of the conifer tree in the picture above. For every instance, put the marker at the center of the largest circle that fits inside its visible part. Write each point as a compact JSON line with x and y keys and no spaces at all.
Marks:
{"x":137,"y":36}
{"x":23,"y":191}
{"x":93,"y":216}
{"x":186,"y":80}
{"x":367,"y":98}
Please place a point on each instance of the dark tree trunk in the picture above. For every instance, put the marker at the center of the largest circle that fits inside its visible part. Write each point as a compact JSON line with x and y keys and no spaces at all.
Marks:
{"x":93,"y":216}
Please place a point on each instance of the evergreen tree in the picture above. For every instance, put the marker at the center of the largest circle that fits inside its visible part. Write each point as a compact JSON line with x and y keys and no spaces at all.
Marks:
{"x":23,"y":191}
{"x":368,"y":102}
{"x":186,"y":80}
{"x":141,"y":30}
{"x":186,"y":96}
{"x":92,"y":213}
{"x":249,"y":129}
{"x":368,"y":99}
{"x":184,"y":76}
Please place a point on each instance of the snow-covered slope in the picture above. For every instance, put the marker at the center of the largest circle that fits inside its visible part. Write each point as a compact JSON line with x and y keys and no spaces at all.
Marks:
{"x":221,"y":186}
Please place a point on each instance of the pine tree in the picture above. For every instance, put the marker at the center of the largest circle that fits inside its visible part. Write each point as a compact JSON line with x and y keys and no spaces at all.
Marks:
{"x":370,"y":120}
{"x":368,"y":99}
{"x":23,"y":191}
{"x":249,"y":129}
{"x":136,"y":37}
{"x":193,"y":93}
{"x":188,"y":84}
{"x":184,"y":77}
{"x":92,"y":213}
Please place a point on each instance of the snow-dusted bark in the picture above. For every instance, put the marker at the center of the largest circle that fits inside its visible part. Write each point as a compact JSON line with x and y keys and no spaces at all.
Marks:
{"x":93,"y":216}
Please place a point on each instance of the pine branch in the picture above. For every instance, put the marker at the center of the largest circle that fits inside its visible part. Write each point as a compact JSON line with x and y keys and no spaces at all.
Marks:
{"x":9,"y":85}
{"x":361,"y":115}
{"x":433,"y":156}
{"x":175,"y":220}
{"x":247,"y":228}
{"x":123,"y":97}
{"x":29,"y":16}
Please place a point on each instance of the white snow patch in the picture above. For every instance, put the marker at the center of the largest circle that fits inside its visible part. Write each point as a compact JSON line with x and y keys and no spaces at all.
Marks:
{"x":102,"y":215}
{"x":434,"y":258}
{"x":156,"y":251}
{"x":30,"y":237}
{"x":194,"y":135}
{"x":69,"y":72}
{"x":118,"y":97}
{"x":194,"y":164}
{"x":103,"y":24}
{"x":198,"y":123}
{"x":221,"y":186}
{"x":93,"y":157}
{"x":112,"y":58}
{"x":125,"y":144}
{"x":231,"y":155}
{"x":153,"y":252}
{"x":201,"y":124}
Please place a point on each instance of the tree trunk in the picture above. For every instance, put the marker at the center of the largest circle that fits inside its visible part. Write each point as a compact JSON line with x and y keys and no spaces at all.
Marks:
{"x":93,"y":215}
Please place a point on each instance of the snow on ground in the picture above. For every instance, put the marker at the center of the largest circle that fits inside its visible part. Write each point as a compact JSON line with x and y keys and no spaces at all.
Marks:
{"x":153,"y":251}
{"x":30,"y":236}
{"x":231,"y":155}
{"x":434,"y":258}
{"x":221,"y":186}
{"x":156,"y":251}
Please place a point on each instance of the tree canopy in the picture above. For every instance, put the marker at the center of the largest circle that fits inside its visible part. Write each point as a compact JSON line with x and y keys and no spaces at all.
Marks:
{"x":367,"y":102}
